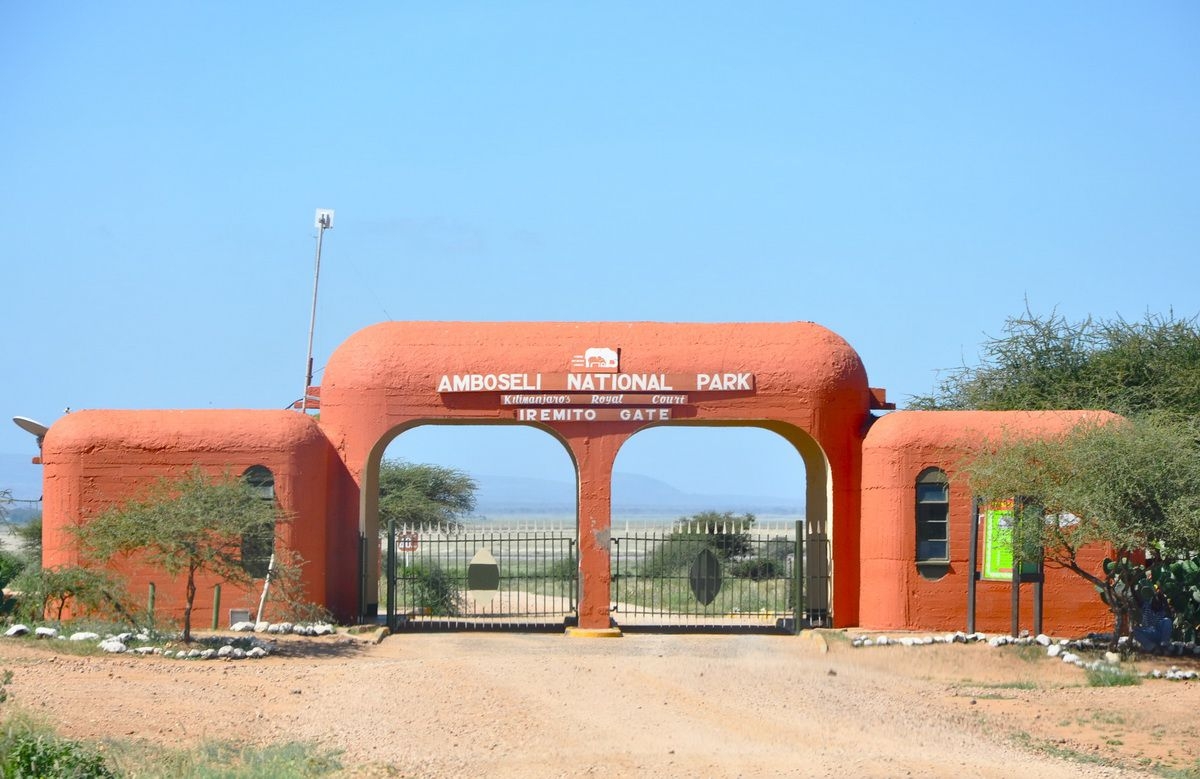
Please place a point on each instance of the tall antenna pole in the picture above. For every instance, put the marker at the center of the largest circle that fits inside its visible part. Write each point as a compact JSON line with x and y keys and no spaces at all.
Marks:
{"x":324,"y":221}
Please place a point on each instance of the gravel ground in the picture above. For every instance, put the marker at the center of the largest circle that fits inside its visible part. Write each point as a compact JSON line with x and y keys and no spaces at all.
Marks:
{"x":545,"y":705}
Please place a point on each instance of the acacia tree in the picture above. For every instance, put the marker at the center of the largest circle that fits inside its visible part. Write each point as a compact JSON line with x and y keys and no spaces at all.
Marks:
{"x":187,"y":526}
{"x":1132,"y":486}
{"x":423,"y":494}
{"x":1128,"y":485}
{"x":1050,"y":362}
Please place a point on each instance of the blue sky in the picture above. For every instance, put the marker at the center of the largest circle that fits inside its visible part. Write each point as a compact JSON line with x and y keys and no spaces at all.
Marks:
{"x":907,"y":175}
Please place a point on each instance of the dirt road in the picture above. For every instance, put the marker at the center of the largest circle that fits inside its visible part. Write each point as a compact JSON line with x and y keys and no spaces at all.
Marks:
{"x":539,"y":705}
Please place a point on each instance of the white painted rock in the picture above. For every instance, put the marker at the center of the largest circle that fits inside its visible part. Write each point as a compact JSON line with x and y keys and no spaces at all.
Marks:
{"x":112,"y":645}
{"x":84,"y":636}
{"x":257,"y":651}
{"x":242,"y":627}
{"x":225,"y":651}
{"x":45,"y":633}
{"x":1043,"y":639}
{"x":16,"y":630}
{"x":1112,"y":658}
{"x":1054,"y":651}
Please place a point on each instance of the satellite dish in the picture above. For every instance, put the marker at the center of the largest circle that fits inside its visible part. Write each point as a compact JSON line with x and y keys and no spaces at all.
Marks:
{"x":30,"y":426}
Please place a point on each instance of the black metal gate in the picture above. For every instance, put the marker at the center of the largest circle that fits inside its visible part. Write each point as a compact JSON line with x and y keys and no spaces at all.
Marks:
{"x":731,"y":575}
{"x":481,"y":576}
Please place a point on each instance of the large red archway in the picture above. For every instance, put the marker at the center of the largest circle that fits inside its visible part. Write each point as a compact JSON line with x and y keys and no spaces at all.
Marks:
{"x":594,"y":385}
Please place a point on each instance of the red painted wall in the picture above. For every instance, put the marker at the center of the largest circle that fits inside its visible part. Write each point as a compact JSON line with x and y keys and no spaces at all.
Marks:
{"x":894,"y":595}
{"x":811,"y":388}
{"x":97,"y":459}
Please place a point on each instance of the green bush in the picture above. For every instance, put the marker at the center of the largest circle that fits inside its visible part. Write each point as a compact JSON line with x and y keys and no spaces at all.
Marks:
{"x":758,"y":569}
{"x":725,"y":533}
{"x":38,"y":756}
{"x":429,"y":589}
{"x":1179,"y":582}
{"x":49,"y":593}
{"x":1176,"y":580}
{"x":11,"y":566}
{"x":30,"y":750}
{"x":563,"y":569}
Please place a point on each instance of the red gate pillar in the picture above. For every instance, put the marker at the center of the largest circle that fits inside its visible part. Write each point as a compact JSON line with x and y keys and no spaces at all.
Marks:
{"x":594,"y":457}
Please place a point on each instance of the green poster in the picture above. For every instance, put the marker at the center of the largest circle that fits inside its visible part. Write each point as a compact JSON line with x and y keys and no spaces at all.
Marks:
{"x":998,"y":541}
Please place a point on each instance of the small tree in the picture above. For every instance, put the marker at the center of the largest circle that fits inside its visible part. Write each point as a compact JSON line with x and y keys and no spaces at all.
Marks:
{"x":423,"y":494}
{"x":1131,"y":485}
{"x":193,"y":525}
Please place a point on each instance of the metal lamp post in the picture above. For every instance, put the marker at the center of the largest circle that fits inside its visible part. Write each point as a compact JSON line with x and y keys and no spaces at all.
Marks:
{"x":324,"y":221}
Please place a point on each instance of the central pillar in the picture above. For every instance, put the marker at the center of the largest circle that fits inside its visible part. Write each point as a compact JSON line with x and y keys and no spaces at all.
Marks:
{"x":594,"y":457}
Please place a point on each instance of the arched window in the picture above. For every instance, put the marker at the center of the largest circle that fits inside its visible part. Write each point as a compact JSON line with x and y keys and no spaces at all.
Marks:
{"x":933,"y":520}
{"x":259,"y":543}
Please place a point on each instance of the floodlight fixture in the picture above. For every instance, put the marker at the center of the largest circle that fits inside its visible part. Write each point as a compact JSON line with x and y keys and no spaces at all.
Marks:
{"x":36,"y":429}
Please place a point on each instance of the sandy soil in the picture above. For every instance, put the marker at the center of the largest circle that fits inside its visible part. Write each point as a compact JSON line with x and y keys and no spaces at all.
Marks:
{"x":545,"y":705}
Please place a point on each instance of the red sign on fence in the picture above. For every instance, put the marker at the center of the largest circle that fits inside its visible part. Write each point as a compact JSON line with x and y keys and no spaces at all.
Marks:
{"x":406,"y":542}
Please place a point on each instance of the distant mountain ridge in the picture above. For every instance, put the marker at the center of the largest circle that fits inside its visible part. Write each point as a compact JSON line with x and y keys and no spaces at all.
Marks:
{"x":632,"y":494}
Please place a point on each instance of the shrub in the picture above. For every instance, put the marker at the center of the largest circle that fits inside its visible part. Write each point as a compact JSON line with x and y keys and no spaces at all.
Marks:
{"x":11,"y":566}
{"x":288,"y":601}
{"x":429,"y":589}
{"x":52,"y":592}
{"x":563,"y":569}
{"x":1179,"y":582}
{"x":30,"y":749}
{"x":726,"y":534}
{"x":37,"y":756}
{"x":758,"y":569}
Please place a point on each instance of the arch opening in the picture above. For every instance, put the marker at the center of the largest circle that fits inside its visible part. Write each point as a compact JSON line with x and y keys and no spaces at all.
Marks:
{"x":699,"y":537}
{"x":483,"y":519}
